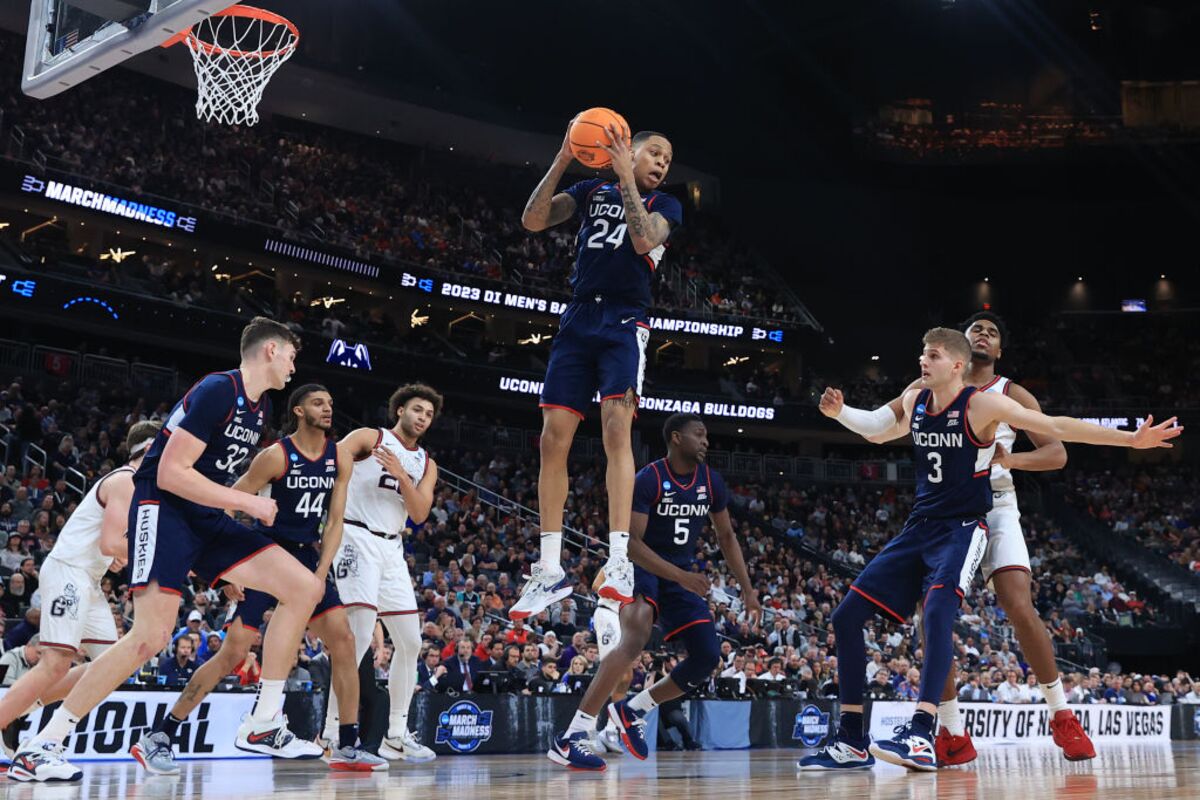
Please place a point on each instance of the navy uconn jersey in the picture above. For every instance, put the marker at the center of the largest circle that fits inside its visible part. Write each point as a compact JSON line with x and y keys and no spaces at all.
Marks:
{"x":216,"y":411}
{"x":302,"y":493}
{"x":605,"y":261}
{"x":677,"y":507}
{"x":953,"y":466}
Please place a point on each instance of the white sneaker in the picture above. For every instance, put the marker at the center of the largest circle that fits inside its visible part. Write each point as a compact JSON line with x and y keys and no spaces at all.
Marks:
{"x":546,"y":586}
{"x":355,"y":759}
{"x":273,"y":738}
{"x":405,"y":747}
{"x":42,"y":763}
{"x":611,"y":738}
{"x":618,"y":580}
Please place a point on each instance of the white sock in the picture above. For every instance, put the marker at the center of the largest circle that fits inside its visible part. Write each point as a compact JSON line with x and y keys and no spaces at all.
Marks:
{"x":618,"y":544}
{"x":581,"y":722}
{"x":1056,"y":698}
{"x":950,"y":718}
{"x":642,"y":701}
{"x":59,"y":727}
{"x":270,"y":700}
{"x":405,"y":634}
{"x":551,"y":549}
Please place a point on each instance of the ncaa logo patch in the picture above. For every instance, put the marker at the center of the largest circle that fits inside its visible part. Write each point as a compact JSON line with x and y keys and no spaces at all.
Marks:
{"x":666,"y":484}
{"x":463,"y":727}
{"x":293,"y":457}
{"x":812,"y":726}
{"x":920,"y":409}
{"x":241,"y":401}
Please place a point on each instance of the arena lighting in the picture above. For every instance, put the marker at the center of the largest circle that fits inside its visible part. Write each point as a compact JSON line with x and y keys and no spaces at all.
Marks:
{"x":117,"y":256}
{"x":416,"y":320}
{"x":327,"y":302}
{"x":874,"y":358}
{"x":535,"y":338}
{"x":96,"y":300}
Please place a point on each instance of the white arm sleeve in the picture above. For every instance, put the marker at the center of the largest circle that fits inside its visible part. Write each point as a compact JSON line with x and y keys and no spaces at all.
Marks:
{"x":867,"y":423}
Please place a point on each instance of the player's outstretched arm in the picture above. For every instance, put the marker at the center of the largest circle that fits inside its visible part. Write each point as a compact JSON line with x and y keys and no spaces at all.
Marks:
{"x":116,"y":494}
{"x":1048,"y":453}
{"x":998,"y":408}
{"x":732,"y":550}
{"x":177,"y":474}
{"x":547,"y":208}
{"x":882,"y":425}
{"x":331,"y":534}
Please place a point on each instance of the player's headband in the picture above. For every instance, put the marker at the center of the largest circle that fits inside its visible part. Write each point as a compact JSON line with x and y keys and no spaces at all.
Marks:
{"x":140,"y":447}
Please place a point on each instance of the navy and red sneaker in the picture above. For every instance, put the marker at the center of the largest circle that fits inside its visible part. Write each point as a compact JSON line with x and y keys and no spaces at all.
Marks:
{"x":632,"y":725}
{"x":908,"y":748}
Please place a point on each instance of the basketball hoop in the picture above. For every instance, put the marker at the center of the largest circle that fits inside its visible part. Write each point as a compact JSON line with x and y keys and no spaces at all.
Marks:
{"x":235,"y":52}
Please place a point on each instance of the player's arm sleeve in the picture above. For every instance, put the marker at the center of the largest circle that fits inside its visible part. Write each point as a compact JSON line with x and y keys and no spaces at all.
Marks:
{"x":207,"y":407}
{"x":645,"y":491}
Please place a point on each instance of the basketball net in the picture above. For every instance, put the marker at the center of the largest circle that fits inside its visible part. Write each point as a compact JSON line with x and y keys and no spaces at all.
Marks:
{"x":235,"y":52}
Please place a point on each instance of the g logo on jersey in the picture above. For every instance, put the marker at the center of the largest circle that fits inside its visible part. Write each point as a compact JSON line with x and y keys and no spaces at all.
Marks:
{"x":347,"y":565}
{"x":66,"y":604}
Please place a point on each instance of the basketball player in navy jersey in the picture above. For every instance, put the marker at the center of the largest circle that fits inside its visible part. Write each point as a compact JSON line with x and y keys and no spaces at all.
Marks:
{"x":934,"y":557}
{"x":307,"y":475}
{"x":177,"y":523}
{"x":674,"y":498}
{"x":601,"y":343}
{"x":1006,"y":560}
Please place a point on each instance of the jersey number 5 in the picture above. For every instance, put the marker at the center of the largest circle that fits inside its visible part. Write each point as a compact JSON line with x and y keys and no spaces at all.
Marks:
{"x":682,"y":530}
{"x":598,"y":239}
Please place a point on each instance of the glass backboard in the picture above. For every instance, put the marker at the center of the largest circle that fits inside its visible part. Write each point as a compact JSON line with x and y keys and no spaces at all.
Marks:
{"x":72,"y":40}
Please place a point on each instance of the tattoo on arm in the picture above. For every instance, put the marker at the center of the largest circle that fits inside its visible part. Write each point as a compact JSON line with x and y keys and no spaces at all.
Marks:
{"x":641,"y":223}
{"x":544,"y":209}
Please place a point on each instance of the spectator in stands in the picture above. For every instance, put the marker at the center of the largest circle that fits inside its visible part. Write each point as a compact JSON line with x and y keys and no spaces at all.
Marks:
{"x":1011,"y":691}
{"x":13,"y":554}
{"x":910,"y":687}
{"x":973,"y":692}
{"x":431,"y":672}
{"x":178,"y":670}
{"x":462,"y":672}
{"x":880,"y":686}
{"x":20,"y":660}
{"x":249,"y":672}
{"x":512,"y":663}
{"x":16,"y":600}
{"x":547,"y":681}
{"x":299,"y":679}
{"x":529,"y":665}
{"x":518,"y":634}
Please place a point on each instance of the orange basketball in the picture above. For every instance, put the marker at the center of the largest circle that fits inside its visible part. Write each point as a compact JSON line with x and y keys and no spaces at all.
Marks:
{"x":590,"y":127}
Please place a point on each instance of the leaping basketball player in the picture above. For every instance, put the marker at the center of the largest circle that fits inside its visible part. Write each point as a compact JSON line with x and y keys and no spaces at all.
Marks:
{"x":177,"y":524}
{"x":674,"y":498}
{"x":934,"y":557}
{"x":392,"y":482}
{"x":1006,"y":559}
{"x":601,"y":343}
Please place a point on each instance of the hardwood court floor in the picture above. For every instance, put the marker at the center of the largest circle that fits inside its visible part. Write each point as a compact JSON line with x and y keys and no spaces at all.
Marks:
{"x":1153,"y":772}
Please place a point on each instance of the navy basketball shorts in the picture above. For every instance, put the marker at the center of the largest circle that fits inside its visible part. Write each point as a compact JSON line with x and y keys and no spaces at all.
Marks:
{"x":600,"y":349}
{"x":675,"y":608}
{"x":250,"y":611}
{"x":169,"y":537}
{"x":927,"y":554}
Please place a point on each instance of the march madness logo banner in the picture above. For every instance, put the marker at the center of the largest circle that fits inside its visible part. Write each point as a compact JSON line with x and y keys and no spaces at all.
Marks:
{"x":812,"y":726}
{"x":463,"y":727}
{"x":1001,"y":722}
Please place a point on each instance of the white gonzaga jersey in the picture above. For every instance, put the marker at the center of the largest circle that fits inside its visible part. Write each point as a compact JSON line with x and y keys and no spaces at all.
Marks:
{"x":373,"y":499}
{"x":1006,"y":437}
{"x":79,"y":542}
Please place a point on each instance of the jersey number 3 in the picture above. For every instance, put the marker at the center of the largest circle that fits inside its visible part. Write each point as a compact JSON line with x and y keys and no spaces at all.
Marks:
{"x":935,"y":467}
{"x":601,"y":237}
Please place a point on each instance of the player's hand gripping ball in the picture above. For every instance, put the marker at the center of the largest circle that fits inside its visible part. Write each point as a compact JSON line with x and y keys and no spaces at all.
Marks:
{"x":590,"y":130}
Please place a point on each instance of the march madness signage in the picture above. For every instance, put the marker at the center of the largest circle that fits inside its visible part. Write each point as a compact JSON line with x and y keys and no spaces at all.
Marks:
{"x":1001,"y":722}
{"x":117,"y":723}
